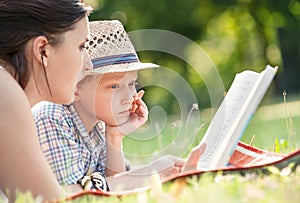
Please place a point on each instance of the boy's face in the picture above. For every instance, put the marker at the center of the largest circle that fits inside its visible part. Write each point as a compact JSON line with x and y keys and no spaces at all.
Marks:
{"x":114,"y":97}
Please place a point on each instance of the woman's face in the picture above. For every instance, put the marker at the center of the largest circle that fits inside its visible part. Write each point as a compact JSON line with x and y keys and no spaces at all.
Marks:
{"x":65,"y":63}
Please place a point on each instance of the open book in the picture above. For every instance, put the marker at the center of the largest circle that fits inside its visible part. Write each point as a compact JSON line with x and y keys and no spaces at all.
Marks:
{"x":233,"y":116}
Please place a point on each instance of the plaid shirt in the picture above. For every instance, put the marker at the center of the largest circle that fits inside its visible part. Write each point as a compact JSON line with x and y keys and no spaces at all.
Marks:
{"x":70,"y":150}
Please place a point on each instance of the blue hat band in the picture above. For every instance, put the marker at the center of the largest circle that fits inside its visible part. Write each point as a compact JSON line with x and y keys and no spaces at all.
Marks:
{"x":114,"y":60}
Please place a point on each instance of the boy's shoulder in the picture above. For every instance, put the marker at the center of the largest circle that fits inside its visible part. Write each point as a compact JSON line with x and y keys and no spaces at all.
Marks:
{"x":51,"y":110}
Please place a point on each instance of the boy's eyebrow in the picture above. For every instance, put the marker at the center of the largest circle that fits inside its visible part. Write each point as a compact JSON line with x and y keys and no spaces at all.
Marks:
{"x":110,"y":79}
{"x":113,"y":77}
{"x":117,"y":77}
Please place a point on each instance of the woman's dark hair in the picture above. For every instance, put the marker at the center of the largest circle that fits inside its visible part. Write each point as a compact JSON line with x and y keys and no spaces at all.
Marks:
{"x":21,"y":20}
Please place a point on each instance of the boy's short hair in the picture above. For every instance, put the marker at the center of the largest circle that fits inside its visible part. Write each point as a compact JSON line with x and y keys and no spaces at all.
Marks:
{"x":111,"y":49}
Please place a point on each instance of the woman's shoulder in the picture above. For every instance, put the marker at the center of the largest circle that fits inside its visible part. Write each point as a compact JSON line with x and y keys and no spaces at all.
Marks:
{"x":19,"y":143}
{"x":15,"y":116}
{"x":10,"y":92}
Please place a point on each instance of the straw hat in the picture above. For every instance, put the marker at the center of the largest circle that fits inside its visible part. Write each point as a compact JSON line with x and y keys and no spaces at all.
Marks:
{"x":111,"y":49}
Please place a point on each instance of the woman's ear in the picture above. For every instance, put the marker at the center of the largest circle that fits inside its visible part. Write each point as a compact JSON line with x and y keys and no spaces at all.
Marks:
{"x":77,"y":92}
{"x":41,"y":50}
{"x":79,"y":89}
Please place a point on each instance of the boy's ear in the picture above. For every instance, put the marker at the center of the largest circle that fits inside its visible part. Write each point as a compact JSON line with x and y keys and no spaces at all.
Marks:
{"x":41,"y":50}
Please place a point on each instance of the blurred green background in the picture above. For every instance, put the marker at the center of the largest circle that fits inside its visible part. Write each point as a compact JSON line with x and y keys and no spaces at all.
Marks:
{"x":235,"y":34}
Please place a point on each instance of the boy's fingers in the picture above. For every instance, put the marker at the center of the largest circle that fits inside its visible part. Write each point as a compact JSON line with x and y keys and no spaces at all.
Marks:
{"x":134,"y":107}
{"x":179,"y":163}
{"x":140,"y":94}
{"x":137,"y":100}
{"x":192,"y":161}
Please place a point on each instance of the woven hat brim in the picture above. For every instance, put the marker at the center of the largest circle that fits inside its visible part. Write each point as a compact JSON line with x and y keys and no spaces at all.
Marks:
{"x":117,"y":68}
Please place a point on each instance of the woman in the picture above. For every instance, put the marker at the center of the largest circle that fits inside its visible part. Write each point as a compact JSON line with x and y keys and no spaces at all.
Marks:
{"x":42,"y":47}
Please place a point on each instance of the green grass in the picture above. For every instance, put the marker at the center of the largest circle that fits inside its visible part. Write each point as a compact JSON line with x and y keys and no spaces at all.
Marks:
{"x":230,"y":188}
{"x":278,"y":186}
{"x":267,"y":131}
{"x":267,"y":124}
{"x":270,"y":123}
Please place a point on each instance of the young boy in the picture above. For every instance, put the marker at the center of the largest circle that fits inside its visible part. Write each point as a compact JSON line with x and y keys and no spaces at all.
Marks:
{"x":73,"y":137}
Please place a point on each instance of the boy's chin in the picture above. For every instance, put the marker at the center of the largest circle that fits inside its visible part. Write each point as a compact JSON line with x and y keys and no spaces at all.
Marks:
{"x":120,"y":122}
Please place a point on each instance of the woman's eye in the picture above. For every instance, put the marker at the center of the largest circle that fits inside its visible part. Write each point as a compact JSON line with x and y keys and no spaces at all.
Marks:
{"x":82,"y":48}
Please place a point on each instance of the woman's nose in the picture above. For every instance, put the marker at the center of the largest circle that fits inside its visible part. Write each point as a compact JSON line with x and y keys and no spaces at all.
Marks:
{"x":87,"y":63}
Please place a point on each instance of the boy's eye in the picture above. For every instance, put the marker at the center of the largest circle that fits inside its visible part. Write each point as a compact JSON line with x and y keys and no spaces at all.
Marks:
{"x":132,"y":83}
{"x":115,"y":86}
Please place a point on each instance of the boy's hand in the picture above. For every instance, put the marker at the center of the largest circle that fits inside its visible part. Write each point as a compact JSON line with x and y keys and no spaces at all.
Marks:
{"x":137,"y":117}
{"x":170,"y":165}
{"x":192,"y":160}
{"x":167,"y":166}
{"x":139,"y":111}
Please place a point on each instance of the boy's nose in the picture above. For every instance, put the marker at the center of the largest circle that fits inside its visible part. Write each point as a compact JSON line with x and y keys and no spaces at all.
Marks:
{"x":128,"y":97}
{"x":128,"y":100}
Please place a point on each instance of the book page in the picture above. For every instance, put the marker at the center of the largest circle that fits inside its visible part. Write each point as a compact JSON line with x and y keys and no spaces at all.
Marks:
{"x":226,"y":113}
{"x":229,"y":115}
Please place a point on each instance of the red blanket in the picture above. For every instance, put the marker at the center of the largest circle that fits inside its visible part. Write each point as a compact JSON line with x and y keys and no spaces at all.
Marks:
{"x":249,"y":156}
{"x":244,"y":158}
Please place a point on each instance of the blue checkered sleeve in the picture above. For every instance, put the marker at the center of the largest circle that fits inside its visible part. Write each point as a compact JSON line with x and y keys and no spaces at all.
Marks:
{"x":58,"y":141}
{"x":99,"y":131}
